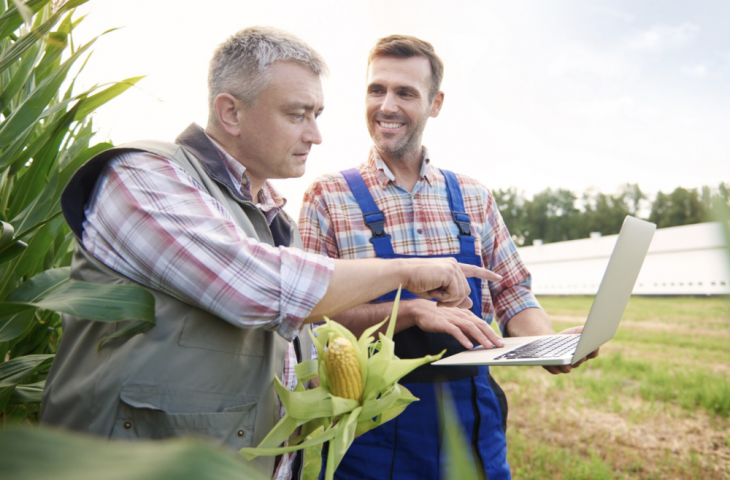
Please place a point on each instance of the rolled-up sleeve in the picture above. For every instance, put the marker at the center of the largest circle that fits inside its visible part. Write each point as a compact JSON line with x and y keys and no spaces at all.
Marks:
{"x":513,"y":293}
{"x":149,"y":220}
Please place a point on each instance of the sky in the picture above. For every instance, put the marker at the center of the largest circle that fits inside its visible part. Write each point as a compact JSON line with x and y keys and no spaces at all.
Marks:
{"x":538,"y":93}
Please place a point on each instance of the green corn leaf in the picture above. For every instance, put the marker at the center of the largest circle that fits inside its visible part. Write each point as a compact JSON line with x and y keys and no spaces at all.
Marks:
{"x":10,"y":247}
{"x":40,"y":285}
{"x":38,"y":247}
{"x":26,"y":394}
{"x":307,"y":370}
{"x":14,"y":371}
{"x":17,"y":325}
{"x":342,"y":441}
{"x":105,"y":303}
{"x":97,"y":100}
{"x":461,"y":466}
{"x":26,"y":41}
{"x":20,"y":76}
{"x":12,"y":19}
{"x":34,"y":454}
{"x":25,"y":13}
{"x":32,"y":108}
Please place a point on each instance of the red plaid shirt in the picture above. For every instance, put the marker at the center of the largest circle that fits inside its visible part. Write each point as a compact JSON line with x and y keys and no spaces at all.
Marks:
{"x":419,"y":223}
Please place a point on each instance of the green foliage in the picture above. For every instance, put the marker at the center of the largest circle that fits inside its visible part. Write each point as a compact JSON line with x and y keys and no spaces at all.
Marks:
{"x":559,"y":215}
{"x":27,"y":454}
{"x":45,"y":135}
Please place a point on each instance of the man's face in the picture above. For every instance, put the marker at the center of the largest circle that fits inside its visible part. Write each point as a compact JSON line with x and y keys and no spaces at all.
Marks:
{"x":277,"y":133}
{"x":398,"y":105}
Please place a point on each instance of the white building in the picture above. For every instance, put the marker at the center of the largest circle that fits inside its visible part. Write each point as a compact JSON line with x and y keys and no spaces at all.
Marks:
{"x":686,"y":260}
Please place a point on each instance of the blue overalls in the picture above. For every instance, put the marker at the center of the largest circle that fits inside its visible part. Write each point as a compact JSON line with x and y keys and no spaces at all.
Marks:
{"x":410,"y":446}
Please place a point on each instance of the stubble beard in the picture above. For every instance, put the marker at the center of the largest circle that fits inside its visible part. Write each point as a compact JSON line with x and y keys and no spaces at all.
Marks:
{"x":409,"y":142}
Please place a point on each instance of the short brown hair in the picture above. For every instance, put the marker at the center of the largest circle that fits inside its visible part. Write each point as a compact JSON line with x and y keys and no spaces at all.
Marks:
{"x":406,"y":46}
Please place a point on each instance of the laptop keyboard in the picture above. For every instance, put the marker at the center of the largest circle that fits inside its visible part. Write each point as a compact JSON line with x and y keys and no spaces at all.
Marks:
{"x":548,"y":347}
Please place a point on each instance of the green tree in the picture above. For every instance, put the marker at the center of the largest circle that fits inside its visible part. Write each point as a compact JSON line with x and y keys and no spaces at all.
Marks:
{"x":551,"y":216}
{"x":45,"y":135}
{"x":511,"y":204}
{"x":681,"y":207}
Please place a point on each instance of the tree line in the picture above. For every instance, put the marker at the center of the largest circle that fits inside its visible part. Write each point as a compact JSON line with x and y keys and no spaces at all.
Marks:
{"x":560,"y":214}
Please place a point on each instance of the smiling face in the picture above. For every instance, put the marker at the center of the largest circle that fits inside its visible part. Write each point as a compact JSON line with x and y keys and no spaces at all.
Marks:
{"x":398,"y":104}
{"x":276,"y":134}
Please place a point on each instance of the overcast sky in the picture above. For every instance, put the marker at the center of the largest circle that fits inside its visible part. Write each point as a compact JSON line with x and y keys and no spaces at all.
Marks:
{"x":542,"y":93}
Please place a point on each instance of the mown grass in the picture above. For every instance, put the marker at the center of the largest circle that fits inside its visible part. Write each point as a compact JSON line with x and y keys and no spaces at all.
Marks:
{"x":667,"y":370}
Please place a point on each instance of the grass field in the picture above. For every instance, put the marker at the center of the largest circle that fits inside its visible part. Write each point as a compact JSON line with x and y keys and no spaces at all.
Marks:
{"x":653,"y":405}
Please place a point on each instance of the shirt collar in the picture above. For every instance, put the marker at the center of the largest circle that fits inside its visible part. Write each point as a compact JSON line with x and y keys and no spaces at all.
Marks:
{"x":269,"y":201}
{"x":377,"y":165}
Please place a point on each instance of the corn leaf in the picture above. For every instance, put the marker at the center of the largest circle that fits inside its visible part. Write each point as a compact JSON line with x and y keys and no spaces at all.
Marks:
{"x":14,"y":371}
{"x":11,"y":20}
{"x":32,"y":108}
{"x":26,"y":41}
{"x":97,"y":100}
{"x":25,"y":394}
{"x":33,"y":454}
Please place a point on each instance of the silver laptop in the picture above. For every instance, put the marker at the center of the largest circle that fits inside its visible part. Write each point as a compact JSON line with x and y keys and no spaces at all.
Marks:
{"x":600,"y":327}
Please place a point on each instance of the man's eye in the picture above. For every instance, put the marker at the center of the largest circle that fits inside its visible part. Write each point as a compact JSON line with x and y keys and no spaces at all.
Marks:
{"x":297,"y":116}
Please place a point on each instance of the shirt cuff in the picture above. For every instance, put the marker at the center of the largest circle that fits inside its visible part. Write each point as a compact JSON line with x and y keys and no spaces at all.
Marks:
{"x":305,"y":278}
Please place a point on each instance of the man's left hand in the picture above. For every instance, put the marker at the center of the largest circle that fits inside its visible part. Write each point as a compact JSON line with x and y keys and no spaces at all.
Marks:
{"x":557,"y":369}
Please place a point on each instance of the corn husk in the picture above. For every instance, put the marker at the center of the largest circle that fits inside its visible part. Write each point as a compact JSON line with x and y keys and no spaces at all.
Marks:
{"x":383,"y":398}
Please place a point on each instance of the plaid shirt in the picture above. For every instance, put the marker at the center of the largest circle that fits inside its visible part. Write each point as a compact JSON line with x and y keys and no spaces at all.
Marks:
{"x":149,"y":220}
{"x":419,"y":223}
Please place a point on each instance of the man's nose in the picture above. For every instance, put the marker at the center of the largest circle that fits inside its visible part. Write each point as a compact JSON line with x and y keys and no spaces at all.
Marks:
{"x":312,"y":134}
{"x":390,"y":104}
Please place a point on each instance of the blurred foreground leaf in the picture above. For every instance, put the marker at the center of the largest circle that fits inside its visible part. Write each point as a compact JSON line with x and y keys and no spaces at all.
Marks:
{"x":27,"y":454}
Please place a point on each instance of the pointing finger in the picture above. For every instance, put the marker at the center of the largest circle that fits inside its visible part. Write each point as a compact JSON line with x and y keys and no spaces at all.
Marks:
{"x":478,"y":272}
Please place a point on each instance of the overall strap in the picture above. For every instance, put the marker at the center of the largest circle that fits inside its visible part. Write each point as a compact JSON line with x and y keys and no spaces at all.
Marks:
{"x":458,"y":212}
{"x":374,"y":217}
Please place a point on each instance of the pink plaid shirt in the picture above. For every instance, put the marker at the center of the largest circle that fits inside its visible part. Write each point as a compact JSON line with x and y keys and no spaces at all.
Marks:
{"x":149,"y":220}
{"x":419,"y":223}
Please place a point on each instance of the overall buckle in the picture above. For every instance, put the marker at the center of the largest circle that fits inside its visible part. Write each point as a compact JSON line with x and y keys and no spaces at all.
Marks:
{"x":376,"y":222}
{"x":463,"y":221}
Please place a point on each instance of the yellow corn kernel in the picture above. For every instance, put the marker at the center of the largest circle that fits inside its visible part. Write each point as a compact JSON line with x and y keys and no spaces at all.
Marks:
{"x":343,"y":368}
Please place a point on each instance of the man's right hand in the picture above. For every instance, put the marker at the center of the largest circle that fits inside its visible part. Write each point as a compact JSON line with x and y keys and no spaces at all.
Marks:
{"x":461,"y":324}
{"x":443,"y":279}
{"x":355,"y":282}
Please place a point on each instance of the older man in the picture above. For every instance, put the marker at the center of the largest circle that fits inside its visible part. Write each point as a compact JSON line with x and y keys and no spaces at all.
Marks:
{"x":414,"y":209}
{"x":196,"y":223}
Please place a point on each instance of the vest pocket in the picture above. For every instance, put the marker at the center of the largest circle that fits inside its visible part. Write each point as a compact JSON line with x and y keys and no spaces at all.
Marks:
{"x":205,"y":330}
{"x":143,"y":417}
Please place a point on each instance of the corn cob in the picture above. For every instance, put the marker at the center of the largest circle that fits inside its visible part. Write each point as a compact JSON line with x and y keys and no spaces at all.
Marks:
{"x":343,"y":368}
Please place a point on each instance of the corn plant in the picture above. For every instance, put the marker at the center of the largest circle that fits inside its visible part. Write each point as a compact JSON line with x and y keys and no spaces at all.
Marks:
{"x":45,"y":136}
{"x":358,"y":391}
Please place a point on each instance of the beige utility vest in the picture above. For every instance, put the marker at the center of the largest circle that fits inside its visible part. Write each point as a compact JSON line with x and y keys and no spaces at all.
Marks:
{"x":193,"y":373}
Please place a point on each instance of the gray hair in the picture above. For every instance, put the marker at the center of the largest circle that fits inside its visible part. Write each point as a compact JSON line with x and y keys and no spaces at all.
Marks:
{"x":239,"y":65}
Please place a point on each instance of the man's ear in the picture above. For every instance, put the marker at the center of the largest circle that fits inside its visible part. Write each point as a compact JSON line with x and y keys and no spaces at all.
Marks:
{"x":227,"y":111}
{"x":438,"y":102}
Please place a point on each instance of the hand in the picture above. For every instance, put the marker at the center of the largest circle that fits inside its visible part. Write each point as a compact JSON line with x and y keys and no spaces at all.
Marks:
{"x":443,"y":279}
{"x":557,"y":369}
{"x":461,"y":324}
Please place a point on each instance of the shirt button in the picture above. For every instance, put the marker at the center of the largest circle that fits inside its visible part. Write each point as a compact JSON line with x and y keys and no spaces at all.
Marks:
{"x":128,"y":425}
{"x":420,"y":230}
{"x":244,"y":181}
{"x":240,"y":433}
